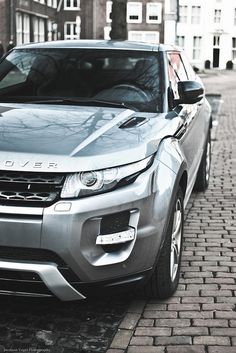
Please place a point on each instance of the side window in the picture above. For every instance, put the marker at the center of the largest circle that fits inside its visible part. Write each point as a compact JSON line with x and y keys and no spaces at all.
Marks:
{"x":177,"y":73}
{"x":190,"y":72}
{"x":174,"y":79}
{"x":178,"y":66}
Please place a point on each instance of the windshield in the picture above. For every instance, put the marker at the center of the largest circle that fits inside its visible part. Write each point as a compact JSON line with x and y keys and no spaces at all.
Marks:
{"x":118,"y":76}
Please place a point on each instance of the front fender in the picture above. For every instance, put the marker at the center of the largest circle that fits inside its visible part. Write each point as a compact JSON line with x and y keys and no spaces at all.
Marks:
{"x":169,"y":175}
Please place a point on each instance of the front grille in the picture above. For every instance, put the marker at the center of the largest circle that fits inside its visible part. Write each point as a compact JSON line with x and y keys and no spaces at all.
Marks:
{"x":30,"y":254}
{"x":27,"y":281}
{"x":23,"y":282}
{"x":114,"y":223}
{"x":29,"y":189}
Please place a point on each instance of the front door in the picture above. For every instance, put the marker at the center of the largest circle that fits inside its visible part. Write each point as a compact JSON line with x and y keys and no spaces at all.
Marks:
{"x":216,"y":57}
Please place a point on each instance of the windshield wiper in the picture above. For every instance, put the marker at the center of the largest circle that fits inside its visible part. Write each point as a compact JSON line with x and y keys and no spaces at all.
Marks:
{"x":86,"y":101}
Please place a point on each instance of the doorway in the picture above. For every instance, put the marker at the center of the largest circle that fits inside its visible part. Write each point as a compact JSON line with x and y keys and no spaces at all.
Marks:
{"x":216,"y":57}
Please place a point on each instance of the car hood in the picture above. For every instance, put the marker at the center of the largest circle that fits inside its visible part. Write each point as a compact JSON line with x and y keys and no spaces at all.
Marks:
{"x":65,"y":138}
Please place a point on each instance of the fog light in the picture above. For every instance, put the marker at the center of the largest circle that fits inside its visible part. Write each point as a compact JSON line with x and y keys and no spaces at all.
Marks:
{"x":116,"y":238}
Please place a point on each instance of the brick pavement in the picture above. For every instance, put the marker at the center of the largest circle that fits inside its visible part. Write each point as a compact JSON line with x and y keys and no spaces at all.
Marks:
{"x":201,"y":316}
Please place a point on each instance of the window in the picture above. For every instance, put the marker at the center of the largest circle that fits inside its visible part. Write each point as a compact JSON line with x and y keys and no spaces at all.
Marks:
{"x":22,"y":28}
{"x":234,"y":48}
{"x":71,"y":4}
{"x":154,"y":12}
{"x":107,"y":30}
{"x":134,"y":12}
{"x":144,"y":36}
{"x":108,"y":11}
{"x":183,"y":14}
{"x":50,"y":30}
{"x":38,"y":29}
{"x":235,"y":17}
{"x":19,"y":28}
{"x":72,"y":30}
{"x":188,"y":67}
{"x":67,"y":73}
{"x":176,"y":72}
{"x":216,"y":41}
{"x":178,"y":66}
{"x":196,"y":14}
{"x":197,"y":41}
{"x":217,"y":16}
{"x":181,"y":41}
{"x":52,"y":3}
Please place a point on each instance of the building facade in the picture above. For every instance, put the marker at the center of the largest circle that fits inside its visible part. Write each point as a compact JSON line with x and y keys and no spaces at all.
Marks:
{"x":207,"y":31}
{"x":145,"y":20}
{"x":24,"y":21}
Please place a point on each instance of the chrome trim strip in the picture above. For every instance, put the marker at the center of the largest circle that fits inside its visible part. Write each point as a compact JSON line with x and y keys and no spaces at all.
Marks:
{"x":51,"y":277}
{"x":116,"y":238}
{"x":21,"y":210}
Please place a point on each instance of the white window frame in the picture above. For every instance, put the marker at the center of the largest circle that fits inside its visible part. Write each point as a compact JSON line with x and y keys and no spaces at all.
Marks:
{"x":234,"y":49}
{"x":142,"y":36}
{"x":130,"y":12}
{"x":38,"y":29}
{"x":26,"y":28}
{"x":71,"y":5}
{"x":183,"y":14}
{"x":181,"y":41}
{"x":22,"y":28}
{"x":154,"y":9}
{"x":196,"y":17}
{"x":217,"y":15}
{"x":19,"y":28}
{"x":108,"y":11}
{"x":107,"y":30}
{"x":197,"y":48}
{"x":71,"y":36}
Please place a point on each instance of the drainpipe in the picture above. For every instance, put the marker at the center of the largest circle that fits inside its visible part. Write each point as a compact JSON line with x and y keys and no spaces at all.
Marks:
{"x":94,"y":19}
{"x":12,"y":21}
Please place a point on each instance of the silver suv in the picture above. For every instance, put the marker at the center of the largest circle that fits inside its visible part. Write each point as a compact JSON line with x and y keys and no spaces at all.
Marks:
{"x":101,"y":145}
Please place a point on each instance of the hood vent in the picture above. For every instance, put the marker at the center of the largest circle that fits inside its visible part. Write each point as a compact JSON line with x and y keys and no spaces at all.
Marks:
{"x":134,"y":121}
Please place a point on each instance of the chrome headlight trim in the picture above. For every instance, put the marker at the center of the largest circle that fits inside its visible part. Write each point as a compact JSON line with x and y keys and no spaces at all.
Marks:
{"x":94,"y":182}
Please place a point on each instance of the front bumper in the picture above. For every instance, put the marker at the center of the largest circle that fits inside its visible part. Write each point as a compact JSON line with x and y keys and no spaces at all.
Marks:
{"x":70,"y":229}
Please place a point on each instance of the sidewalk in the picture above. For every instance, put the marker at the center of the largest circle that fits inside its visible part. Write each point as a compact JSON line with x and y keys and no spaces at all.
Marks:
{"x":201,"y":316}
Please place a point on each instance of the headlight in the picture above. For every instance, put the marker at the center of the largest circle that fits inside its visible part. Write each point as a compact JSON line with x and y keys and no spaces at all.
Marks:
{"x":94,"y":182}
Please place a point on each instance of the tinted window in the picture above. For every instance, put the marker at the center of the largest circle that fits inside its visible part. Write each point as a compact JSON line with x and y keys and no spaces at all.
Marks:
{"x":177,"y":65}
{"x":111,"y":75}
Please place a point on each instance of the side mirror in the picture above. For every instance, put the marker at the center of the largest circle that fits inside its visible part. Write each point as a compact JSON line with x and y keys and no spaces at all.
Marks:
{"x":190,"y":92}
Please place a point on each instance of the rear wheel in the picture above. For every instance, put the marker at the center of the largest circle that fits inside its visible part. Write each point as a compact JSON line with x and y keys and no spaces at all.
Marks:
{"x":164,"y":280}
{"x":203,"y":174}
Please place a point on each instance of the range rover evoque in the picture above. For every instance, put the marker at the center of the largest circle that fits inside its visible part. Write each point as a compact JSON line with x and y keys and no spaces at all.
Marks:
{"x":101,"y":145}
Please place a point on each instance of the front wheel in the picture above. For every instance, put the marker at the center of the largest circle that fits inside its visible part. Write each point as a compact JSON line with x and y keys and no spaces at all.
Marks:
{"x":164,"y":280}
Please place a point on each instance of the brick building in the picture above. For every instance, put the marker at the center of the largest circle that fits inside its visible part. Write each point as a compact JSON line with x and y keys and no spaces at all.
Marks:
{"x":23,"y":21}
{"x":145,"y":20}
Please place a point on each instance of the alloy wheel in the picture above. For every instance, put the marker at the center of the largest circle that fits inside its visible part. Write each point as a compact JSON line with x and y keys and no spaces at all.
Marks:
{"x":176,"y":239}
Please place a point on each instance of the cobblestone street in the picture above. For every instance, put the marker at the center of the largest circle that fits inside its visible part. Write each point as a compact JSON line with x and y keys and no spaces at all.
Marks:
{"x":201,"y":316}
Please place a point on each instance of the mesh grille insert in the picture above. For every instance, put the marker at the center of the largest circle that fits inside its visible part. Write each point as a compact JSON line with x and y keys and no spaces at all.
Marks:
{"x":30,"y":254}
{"x":23,"y":188}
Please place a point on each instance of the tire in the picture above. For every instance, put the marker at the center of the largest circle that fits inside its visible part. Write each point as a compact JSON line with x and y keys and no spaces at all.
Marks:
{"x":203,"y":174}
{"x":165,"y":277}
